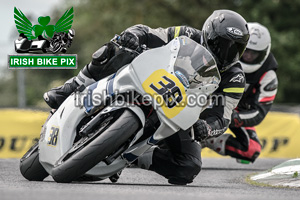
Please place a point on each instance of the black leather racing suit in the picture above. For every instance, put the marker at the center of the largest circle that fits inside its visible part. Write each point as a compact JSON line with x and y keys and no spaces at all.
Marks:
{"x":180,"y":162}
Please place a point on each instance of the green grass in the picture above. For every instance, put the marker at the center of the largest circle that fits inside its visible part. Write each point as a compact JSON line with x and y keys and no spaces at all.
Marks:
{"x":295,"y":175}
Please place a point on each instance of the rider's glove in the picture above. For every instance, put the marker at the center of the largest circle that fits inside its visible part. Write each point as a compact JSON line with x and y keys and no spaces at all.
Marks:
{"x":129,"y":40}
{"x":202,"y":130}
{"x":236,"y":120}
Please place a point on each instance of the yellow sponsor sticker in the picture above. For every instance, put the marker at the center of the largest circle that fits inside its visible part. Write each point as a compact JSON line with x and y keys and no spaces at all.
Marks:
{"x":168,"y":92}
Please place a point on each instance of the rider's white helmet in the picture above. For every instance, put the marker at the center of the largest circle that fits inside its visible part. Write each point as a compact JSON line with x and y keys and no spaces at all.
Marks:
{"x":258,"y":48}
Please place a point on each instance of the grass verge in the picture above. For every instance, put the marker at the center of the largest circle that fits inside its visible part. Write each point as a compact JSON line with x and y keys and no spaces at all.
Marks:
{"x":259,"y":184}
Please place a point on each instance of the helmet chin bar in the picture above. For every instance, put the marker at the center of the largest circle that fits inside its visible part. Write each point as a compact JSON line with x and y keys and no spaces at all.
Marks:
{"x":250,"y":68}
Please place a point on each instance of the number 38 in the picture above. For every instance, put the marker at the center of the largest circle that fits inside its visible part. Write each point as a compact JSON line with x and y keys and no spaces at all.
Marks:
{"x":52,"y":140}
{"x":170,"y":92}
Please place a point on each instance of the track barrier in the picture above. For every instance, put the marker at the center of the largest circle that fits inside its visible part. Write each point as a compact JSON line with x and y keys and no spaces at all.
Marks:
{"x":279,"y":134}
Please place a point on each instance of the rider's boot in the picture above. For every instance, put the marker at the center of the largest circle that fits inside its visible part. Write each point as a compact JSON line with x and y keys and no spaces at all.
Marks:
{"x":87,"y":76}
{"x":216,"y":144}
{"x":56,"y":96}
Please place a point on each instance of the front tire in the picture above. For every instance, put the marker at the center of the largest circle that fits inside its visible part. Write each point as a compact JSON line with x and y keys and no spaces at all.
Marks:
{"x":73,"y":165}
{"x":30,"y":166}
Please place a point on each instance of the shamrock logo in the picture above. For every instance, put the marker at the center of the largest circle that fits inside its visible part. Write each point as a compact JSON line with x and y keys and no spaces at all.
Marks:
{"x":47,"y":31}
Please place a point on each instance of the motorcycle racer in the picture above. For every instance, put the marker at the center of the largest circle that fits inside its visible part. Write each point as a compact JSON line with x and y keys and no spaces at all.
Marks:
{"x":225,"y":34}
{"x":259,"y":65}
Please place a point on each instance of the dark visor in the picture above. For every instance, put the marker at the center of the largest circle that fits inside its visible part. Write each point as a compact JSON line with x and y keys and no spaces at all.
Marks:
{"x":258,"y":56}
{"x":226,"y":51}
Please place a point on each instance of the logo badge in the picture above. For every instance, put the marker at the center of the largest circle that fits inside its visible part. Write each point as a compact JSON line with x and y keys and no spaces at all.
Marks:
{"x":234,"y":31}
{"x":43,"y":41}
{"x":238,"y":78}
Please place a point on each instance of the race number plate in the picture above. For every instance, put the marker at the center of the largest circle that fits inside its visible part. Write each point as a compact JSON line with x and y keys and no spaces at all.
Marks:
{"x":168,"y":92}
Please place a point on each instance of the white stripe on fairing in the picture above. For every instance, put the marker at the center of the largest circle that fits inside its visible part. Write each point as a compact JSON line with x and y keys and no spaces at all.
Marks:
{"x":249,"y":116}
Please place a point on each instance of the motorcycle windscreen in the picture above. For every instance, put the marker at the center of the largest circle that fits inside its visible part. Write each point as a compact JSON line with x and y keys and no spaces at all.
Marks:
{"x":195,"y":67}
{"x":197,"y":70}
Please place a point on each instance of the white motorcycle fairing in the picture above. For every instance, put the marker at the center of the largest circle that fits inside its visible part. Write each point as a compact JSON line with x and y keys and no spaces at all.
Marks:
{"x":152,"y":74}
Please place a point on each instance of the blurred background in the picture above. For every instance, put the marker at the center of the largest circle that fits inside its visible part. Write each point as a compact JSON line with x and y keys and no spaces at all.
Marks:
{"x":96,"y":22}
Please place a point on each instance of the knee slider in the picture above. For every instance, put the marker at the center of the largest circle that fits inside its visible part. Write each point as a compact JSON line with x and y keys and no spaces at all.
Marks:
{"x":187,"y":173}
{"x":100,"y":56}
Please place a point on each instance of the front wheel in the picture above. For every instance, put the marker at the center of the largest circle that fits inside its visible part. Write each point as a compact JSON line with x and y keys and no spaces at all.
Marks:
{"x":30,"y":166}
{"x":112,"y":133}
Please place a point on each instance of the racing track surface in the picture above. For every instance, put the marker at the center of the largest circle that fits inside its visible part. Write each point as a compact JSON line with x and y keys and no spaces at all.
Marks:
{"x":219,"y":179}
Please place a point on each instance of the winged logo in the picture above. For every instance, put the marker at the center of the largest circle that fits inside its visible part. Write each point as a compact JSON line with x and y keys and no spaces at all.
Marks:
{"x":33,"y":31}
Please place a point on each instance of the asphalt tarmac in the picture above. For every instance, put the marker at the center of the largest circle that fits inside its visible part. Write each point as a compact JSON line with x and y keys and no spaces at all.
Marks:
{"x":220,"y":178}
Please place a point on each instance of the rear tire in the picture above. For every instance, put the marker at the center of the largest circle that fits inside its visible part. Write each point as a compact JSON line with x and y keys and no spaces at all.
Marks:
{"x":30,"y":166}
{"x":85,"y":158}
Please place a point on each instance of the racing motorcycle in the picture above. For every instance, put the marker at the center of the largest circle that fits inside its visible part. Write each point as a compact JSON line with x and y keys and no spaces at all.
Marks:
{"x":85,"y":138}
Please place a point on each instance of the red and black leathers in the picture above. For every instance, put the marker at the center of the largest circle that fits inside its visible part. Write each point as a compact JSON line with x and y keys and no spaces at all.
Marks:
{"x":260,"y":91}
{"x":261,"y":88}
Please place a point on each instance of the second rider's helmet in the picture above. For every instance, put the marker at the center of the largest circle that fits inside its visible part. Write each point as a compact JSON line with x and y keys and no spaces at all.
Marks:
{"x":258,"y":48}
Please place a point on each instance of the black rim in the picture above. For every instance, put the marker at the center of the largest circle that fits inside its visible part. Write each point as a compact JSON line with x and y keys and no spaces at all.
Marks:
{"x":33,"y":149}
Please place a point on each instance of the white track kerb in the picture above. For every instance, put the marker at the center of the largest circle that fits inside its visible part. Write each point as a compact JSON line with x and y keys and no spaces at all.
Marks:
{"x":286,"y":174}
